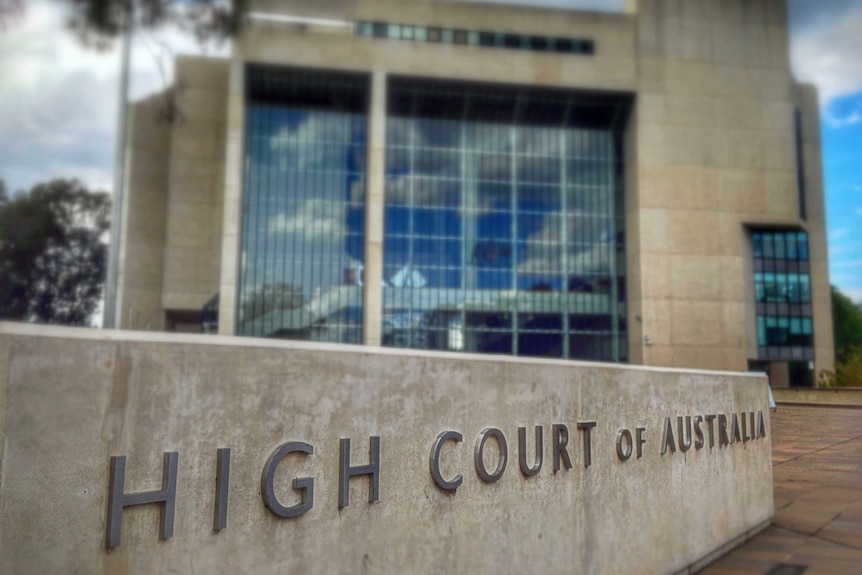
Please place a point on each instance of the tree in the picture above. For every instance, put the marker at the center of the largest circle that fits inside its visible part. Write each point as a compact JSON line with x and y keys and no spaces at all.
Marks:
{"x":52,"y":257}
{"x":847,"y":327}
{"x":100,"y":21}
{"x":847,"y":322}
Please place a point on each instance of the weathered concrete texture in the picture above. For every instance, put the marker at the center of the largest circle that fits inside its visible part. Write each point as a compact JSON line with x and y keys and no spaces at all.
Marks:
{"x":77,"y":397}
{"x":142,"y":261}
{"x":193,"y":236}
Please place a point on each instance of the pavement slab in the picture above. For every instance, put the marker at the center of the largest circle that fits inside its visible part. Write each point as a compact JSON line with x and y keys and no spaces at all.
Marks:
{"x":817,"y":478}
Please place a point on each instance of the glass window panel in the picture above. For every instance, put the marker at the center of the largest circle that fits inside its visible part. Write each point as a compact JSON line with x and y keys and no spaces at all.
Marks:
{"x":302,"y":238}
{"x":489,"y":320}
{"x":757,"y":242}
{"x":792,"y":251}
{"x":802,"y":241}
{"x":540,"y":345}
{"x":512,"y":41}
{"x":407,"y":32}
{"x":447,"y":36}
{"x":780,"y":250}
{"x":805,"y":289}
{"x":768,"y":247}
{"x":420,"y":33}
{"x":485,"y":233}
{"x":563,"y":45}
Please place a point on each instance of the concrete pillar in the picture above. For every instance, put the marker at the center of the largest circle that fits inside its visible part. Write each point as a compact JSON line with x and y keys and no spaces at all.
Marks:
{"x":232,"y":218}
{"x":374,"y":204}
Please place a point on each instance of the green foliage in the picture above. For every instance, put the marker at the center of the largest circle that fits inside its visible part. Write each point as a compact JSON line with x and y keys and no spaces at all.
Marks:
{"x":847,"y":325}
{"x":98,"y":22}
{"x":847,"y":321}
{"x":52,"y":258}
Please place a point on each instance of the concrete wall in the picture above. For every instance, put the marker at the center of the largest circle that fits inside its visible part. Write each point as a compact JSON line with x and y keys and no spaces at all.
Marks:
{"x":142,"y":255}
{"x":821,"y":292}
{"x":194,"y":216}
{"x":73,"y":398}
{"x":716,"y":153}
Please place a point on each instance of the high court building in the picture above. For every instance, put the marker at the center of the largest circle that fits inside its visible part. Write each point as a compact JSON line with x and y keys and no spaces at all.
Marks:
{"x":641,"y":187}
{"x":405,"y":219}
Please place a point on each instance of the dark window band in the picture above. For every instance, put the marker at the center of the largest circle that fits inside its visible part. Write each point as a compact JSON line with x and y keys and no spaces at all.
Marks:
{"x":482,"y":38}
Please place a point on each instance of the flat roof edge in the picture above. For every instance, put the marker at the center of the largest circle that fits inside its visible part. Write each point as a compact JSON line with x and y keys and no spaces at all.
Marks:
{"x":119,"y":336}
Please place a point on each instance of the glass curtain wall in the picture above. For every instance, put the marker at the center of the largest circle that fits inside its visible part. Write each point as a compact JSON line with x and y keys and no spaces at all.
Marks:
{"x":504,"y":221}
{"x":782,"y":288}
{"x":301,"y":268}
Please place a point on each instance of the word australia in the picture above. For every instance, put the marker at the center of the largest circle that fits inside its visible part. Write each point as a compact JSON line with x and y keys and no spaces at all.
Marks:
{"x":723,"y":429}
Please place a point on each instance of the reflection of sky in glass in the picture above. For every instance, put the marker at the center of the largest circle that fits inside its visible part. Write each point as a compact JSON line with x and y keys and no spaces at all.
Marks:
{"x":489,"y":220}
{"x":302,"y":249}
{"x":782,"y":289}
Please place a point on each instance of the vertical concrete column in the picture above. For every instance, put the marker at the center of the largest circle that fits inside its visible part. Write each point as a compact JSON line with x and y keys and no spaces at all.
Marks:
{"x":232,"y":202}
{"x":821,"y":292}
{"x":374,"y":202}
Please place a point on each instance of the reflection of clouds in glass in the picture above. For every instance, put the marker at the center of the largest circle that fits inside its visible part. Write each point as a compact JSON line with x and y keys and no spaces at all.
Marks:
{"x":587,"y":250}
{"x":480,"y":155}
{"x":330,"y":133}
{"x":320,"y":220}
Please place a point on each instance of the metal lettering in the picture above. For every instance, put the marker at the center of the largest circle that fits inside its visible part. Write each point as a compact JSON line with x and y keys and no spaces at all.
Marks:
{"x":744,"y":422}
{"x":709,"y":419}
{"x":585,"y":427}
{"x":761,"y":428}
{"x":722,"y":430}
{"x":624,"y":453}
{"x":478,"y":454}
{"x":345,"y":472}
{"x":667,"y":439}
{"x":522,"y":452}
{"x":683,"y":444}
{"x":118,"y":499}
{"x":561,"y":440}
{"x":221,"y":489}
{"x":434,"y":461}
{"x":639,"y":435}
{"x":734,"y":429}
{"x":305,"y":485}
{"x":698,"y":432}
{"x":752,"y":427}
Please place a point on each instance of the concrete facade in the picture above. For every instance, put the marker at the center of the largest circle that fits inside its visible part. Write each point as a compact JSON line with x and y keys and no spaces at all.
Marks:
{"x":710,"y":154}
{"x":70,"y":399}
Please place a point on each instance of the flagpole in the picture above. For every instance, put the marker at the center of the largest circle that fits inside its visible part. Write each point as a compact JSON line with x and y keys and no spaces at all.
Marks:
{"x":110,"y":308}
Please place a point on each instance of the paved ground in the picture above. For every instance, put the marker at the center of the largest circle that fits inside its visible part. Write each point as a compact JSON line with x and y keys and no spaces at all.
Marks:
{"x":817,"y":473}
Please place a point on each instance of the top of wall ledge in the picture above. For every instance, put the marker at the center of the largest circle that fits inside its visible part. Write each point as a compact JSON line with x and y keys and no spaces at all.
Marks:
{"x":120,"y":336}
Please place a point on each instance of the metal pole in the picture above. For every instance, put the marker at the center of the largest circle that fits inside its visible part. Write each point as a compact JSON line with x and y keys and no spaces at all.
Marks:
{"x":110,"y":309}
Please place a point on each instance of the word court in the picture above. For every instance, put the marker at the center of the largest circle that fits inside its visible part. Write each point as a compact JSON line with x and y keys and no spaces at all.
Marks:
{"x":679,"y":434}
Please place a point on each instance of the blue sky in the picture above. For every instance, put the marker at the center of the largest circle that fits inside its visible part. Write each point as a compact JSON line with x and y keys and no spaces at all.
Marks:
{"x":58,"y":104}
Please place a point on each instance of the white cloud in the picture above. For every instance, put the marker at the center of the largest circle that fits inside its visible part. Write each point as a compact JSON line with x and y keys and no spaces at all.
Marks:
{"x":58,"y":99}
{"x":825,"y":47}
{"x":315,"y":220}
{"x":836,"y":122}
